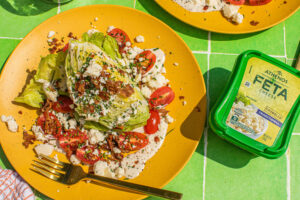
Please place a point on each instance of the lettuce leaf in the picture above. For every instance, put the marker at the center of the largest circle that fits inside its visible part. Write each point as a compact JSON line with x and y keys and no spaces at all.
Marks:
{"x":50,"y":68}
{"x":111,"y":47}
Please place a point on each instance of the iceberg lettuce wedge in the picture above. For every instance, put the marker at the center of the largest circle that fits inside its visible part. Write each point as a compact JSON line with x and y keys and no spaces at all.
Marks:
{"x":86,"y":63}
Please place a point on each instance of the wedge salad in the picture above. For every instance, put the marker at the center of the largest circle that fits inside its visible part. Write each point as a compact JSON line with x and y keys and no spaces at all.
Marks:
{"x":102,"y":103}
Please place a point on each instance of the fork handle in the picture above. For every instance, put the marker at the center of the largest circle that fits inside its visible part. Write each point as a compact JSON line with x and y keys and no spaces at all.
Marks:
{"x":137,"y":187}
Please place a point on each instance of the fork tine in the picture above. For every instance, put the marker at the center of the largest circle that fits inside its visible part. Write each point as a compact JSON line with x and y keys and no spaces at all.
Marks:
{"x":50,"y":164}
{"x":45,"y":167}
{"x":53,"y":160}
{"x":44,"y":173}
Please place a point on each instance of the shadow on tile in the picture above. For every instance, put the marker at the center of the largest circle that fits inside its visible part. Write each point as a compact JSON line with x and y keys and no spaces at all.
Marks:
{"x":26,"y":7}
{"x":171,"y":21}
{"x":4,"y":159}
{"x":229,"y":37}
{"x":218,"y":149}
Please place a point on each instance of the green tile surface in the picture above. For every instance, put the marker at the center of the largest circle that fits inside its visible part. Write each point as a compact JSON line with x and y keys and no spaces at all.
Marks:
{"x":217,"y":169}
{"x":271,"y":38}
{"x":295,"y":166}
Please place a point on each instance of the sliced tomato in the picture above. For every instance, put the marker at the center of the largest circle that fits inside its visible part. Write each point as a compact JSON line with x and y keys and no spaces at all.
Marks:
{"x":88,"y":155}
{"x":152,"y":123}
{"x":235,"y":2}
{"x":70,"y":140}
{"x":148,"y":60}
{"x":161,"y":97}
{"x":132,"y":141}
{"x":259,"y":2}
{"x":63,"y":104}
{"x":65,"y":48}
{"x":121,"y":38}
{"x":50,"y":124}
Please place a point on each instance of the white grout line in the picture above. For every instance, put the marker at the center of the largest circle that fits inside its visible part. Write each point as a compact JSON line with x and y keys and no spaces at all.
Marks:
{"x":58,"y":6}
{"x":287,"y":153}
{"x":134,"y":3}
{"x":207,"y":114}
{"x":288,"y":177}
{"x":231,"y":54}
{"x":11,"y":38}
{"x":296,"y":133}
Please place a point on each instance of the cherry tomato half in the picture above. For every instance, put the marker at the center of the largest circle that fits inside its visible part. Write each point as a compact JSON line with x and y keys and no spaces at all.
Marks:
{"x":162,"y":97}
{"x":87,"y":155}
{"x":148,"y":60}
{"x":132,"y":141}
{"x":121,"y":38}
{"x":235,"y":2}
{"x":152,"y":123}
{"x":63,"y":104}
{"x":259,"y":2}
{"x":70,"y":140}
{"x":50,"y":124}
{"x":65,"y":48}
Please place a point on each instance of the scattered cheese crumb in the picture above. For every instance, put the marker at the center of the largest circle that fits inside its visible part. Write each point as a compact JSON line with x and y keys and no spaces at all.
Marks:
{"x":140,"y":39}
{"x":96,"y":19}
{"x":74,"y":160}
{"x":110,"y":28}
{"x":128,"y":44}
{"x":11,"y":123}
{"x":175,"y":64}
{"x":51,"y":34}
{"x":184,"y":103}
{"x":45,"y":149}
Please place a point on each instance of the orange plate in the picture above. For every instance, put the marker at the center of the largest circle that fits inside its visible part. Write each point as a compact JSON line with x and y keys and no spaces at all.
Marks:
{"x":186,"y":80}
{"x":267,"y":15}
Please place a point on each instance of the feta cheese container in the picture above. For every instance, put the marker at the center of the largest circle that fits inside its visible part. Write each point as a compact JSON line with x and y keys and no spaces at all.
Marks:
{"x":259,"y":106}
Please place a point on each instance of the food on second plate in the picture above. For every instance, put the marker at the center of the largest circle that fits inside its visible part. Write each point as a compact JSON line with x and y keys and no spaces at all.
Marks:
{"x":229,"y":8}
{"x":102,"y":102}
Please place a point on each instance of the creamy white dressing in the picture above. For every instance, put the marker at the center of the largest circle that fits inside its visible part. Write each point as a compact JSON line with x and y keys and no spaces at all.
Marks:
{"x":133,"y":164}
{"x":229,"y":11}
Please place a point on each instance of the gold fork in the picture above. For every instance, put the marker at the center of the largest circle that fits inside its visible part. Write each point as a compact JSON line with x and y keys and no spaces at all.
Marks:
{"x":71,"y":174}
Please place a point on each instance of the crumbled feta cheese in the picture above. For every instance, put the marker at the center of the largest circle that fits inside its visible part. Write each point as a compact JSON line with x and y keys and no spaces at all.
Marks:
{"x":96,"y":152}
{"x":45,"y":149}
{"x":93,"y":70}
{"x":158,"y":81}
{"x":146,"y":91}
{"x":96,"y":19}
{"x":175,"y":64}
{"x":49,"y":90}
{"x":72,"y":123}
{"x":51,"y":34}
{"x":74,"y":160}
{"x":238,"y":18}
{"x":63,"y":119}
{"x":71,"y":106}
{"x":95,"y":136}
{"x":230,"y":10}
{"x":100,"y":167}
{"x":92,"y":31}
{"x":49,"y":40}
{"x":11,"y":123}
{"x":110,"y":28}
{"x":128,"y":44}
{"x":184,"y":103}
{"x":38,"y":132}
{"x":169,"y":119}
{"x":116,"y":150}
{"x":139,"y":38}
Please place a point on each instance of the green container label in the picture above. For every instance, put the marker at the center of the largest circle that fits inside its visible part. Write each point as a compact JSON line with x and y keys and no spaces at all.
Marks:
{"x":265,"y":97}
